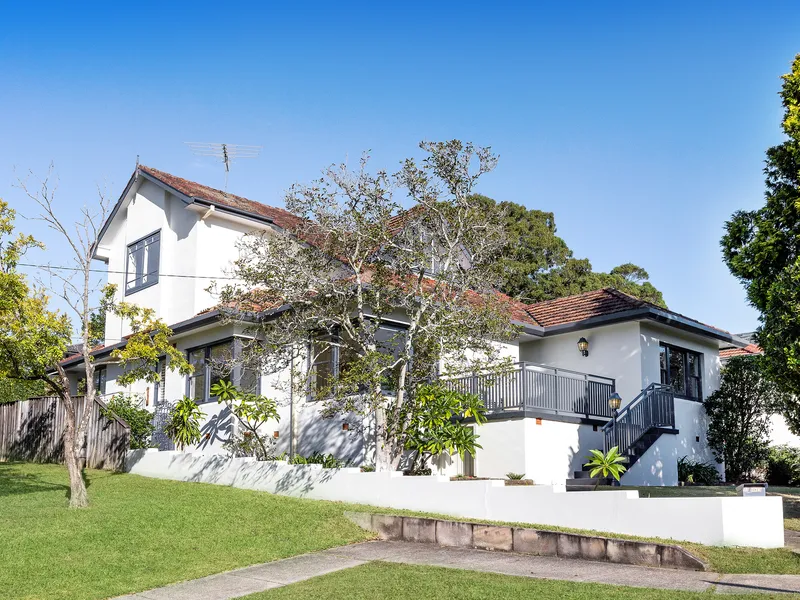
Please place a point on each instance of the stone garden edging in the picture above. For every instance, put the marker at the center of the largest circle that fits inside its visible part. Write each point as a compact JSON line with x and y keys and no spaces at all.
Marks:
{"x":527,"y":541}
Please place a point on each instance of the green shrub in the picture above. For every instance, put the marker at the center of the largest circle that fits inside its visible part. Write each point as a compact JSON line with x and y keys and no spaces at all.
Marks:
{"x":183,"y":426}
{"x":129,"y":409}
{"x":515,"y":476}
{"x":328,"y":461}
{"x":367,"y":468}
{"x":783,"y":465}
{"x":699,"y":473}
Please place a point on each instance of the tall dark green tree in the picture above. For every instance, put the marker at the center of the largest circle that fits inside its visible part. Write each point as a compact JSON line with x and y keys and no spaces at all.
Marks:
{"x":538,"y":265}
{"x":762,"y":248}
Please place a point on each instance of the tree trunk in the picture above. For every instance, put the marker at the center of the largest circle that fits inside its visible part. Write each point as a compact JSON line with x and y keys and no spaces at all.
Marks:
{"x":383,"y":455}
{"x":78,"y":497}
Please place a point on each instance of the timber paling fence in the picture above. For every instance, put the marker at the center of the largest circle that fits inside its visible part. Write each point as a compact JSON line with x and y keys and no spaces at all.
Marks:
{"x":33,"y":430}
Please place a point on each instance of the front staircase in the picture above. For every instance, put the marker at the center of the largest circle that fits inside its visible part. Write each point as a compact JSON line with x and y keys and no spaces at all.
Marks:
{"x":634,"y":430}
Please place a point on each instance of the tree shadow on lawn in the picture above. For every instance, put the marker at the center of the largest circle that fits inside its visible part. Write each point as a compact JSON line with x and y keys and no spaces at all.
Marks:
{"x":15,"y":481}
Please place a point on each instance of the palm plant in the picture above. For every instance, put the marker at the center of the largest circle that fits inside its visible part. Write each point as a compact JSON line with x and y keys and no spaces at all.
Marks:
{"x":606,"y":464}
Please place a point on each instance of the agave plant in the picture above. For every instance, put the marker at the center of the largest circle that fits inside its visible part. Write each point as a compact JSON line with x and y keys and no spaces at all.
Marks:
{"x":606,"y":464}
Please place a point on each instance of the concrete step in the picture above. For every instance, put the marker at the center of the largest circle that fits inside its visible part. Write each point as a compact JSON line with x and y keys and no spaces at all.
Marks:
{"x":586,"y":484}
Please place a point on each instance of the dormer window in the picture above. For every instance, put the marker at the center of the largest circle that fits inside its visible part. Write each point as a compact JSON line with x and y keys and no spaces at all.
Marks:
{"x":142,"y":265}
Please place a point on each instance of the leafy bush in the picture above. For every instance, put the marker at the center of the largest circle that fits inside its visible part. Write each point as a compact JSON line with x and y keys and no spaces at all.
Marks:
{"x":183,"y":426}
{"x":418,"y":472}
{"x":129,"y":409}
{"x":328,"y":461}
{"x":367,"y":468}
{"x":738,"y":416}
{"x":783,"y":465}
{"x":252,"y":411}
{"x":515,"y":476}
{"x":700,"y":473}
{"x":245,"y":444}
{"x":435,"y":423}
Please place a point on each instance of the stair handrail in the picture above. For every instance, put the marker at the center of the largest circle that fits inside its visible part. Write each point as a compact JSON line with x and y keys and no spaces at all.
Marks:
{"x":646,"y":393}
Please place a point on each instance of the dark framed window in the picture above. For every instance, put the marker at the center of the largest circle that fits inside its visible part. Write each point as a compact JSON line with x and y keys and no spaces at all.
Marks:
{"x":329,"y":357}
{"x":100,"y":375}
{"x":683,"y":370}
{"x":212,"y":364}
{"x":160,"y":386}
{"x":141,"y":269}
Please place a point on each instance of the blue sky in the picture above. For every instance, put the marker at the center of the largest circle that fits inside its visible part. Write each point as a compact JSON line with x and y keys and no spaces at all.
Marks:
{"x":643,"y":126}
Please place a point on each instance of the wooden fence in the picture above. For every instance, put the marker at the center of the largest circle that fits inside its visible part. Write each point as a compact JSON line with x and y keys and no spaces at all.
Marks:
{"x":33,"y":430}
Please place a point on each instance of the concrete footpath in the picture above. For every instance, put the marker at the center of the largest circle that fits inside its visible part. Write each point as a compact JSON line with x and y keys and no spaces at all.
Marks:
{"x":249,"y":580}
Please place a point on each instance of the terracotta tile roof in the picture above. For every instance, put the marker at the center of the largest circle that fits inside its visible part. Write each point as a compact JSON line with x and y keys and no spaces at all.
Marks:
{"x":71,"y":357}
{"x":597,"y":303}
{"x":582,"y":306}
{"x":281,"y":217}
{"x":396,"y":223}
{"x":750,"y":350}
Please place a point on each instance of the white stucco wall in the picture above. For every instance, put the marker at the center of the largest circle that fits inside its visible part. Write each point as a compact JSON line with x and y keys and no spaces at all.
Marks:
{"x":614,"y":351}
{"x":659,"y":464}
{"x":546,"y":451}
{"x":715,"y":521}
{"x":200,"y":249}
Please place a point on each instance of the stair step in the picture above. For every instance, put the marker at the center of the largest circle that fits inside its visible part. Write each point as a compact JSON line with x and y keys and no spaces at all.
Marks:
{"x":581,"y":474}
{"x":587,"y":482}
{"x":580,"y":488}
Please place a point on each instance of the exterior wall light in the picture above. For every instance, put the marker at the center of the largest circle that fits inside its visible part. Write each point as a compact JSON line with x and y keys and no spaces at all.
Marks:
{"x":614,"y":402}
{"x":583,"y":346}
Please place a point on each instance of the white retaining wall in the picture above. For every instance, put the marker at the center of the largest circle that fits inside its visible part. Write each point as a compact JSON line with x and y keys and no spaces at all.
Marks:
{"x":730,"y":521}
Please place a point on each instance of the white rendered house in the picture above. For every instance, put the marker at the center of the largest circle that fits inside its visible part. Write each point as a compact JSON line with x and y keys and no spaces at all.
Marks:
{"x":167,"y":239}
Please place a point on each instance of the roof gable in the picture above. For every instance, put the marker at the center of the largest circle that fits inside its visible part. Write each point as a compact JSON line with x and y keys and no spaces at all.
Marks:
{"x":196,"y":191}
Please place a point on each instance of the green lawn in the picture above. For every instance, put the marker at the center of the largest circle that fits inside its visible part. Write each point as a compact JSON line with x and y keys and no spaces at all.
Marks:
{"x":141,"y":533}
{"x":406,"y":582}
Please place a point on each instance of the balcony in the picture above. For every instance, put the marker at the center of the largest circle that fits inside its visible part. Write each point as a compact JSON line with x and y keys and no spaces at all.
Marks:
{"x":537,"y":389}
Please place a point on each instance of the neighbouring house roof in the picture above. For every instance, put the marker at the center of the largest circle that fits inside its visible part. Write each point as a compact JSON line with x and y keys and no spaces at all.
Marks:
{"x":749,"y":350}
{"x":609,"y":305}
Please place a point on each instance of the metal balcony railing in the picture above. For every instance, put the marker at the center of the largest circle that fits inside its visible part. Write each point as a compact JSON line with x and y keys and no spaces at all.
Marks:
{"x":528,"y":386}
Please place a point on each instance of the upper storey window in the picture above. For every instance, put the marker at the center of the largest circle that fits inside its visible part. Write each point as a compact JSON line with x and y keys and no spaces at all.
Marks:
{"x":142,"y":266}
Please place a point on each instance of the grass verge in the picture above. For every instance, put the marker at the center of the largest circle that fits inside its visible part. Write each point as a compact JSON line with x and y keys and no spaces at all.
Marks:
{"x":406,"y":582}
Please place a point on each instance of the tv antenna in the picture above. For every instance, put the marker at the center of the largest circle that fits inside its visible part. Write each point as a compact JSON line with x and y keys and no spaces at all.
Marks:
{"x":225,"y":153}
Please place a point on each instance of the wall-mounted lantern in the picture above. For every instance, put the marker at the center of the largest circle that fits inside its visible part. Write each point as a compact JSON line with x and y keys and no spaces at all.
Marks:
{"x":583,"y":346}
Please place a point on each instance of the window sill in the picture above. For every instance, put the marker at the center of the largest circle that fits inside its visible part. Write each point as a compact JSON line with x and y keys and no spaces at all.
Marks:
{"x":139,"y":288}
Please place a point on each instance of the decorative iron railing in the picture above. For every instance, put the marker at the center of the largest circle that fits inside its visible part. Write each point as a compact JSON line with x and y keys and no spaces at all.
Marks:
{"x":537,"y":387}
{"x":653,"y":408}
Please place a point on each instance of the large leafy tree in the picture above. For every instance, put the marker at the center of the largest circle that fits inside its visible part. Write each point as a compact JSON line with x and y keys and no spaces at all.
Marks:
{"x":762,"y":248}
{"x":738,"y":416}
{"x":536,"y":264}
{"x":356,"y":263}
{"x":33,"y":338}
